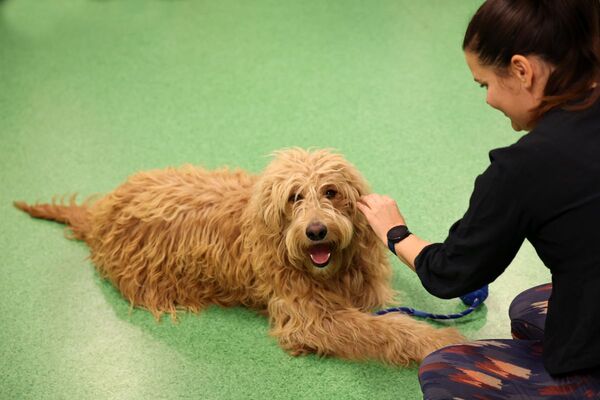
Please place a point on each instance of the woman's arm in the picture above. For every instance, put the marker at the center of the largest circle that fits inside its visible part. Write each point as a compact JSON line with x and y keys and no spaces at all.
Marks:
{"x":480,"y":245}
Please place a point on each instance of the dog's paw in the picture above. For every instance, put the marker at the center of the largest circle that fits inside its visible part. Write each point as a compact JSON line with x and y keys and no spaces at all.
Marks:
{"x":450,"y":336}
{"x":443,"y":337}
{"x":298,"y":351}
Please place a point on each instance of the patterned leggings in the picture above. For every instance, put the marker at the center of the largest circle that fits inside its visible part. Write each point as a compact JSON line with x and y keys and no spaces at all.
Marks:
{"x":504,"y":368}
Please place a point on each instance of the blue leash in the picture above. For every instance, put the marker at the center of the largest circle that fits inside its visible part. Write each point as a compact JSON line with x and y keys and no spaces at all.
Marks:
{"x":473,"y":300}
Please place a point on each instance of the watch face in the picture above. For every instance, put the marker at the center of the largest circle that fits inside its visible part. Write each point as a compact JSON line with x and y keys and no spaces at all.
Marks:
{"x":397,"y":232}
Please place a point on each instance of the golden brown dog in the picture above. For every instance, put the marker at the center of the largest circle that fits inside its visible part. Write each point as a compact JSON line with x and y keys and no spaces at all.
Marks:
{"x":289,"y":241}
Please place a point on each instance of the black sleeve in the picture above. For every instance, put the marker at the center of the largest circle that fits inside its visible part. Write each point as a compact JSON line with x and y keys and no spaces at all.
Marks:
{"x":482,"y":244}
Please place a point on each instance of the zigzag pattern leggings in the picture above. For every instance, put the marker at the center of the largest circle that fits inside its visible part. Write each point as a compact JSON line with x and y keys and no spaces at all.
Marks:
{"x":504,"y":368}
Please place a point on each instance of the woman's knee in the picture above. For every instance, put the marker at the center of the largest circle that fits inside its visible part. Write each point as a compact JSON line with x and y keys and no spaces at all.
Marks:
{"x":435,"y":371}
{"x":459,"y":371}
{"x":527,"y":312}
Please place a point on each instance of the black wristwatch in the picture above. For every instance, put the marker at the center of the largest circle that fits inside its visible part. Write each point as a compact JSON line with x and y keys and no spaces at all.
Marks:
{"x":395,"y":235}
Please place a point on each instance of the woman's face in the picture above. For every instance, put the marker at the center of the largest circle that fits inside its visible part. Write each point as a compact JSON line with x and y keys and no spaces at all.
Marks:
{"x":505,"y":93}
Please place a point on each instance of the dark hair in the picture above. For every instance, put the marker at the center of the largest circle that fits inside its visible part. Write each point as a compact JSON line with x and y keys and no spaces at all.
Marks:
{"x":564,"y":33}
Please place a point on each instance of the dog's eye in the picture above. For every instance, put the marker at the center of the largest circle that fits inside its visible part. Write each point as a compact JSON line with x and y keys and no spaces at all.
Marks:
{"x":295,"y":197}
{"x":331,"y":193}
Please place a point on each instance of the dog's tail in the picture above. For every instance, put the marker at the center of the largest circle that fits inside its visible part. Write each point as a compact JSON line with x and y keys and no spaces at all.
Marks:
{"x":75,"y":216}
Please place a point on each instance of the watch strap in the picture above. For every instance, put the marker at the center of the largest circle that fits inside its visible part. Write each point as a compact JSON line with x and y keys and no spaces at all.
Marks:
{"x":396,"y":234}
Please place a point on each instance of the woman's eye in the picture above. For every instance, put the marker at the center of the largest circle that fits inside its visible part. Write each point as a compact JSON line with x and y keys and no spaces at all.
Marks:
{"x":330,"y":193}
{"x":294,"y":198}
{"x":483,"y":85}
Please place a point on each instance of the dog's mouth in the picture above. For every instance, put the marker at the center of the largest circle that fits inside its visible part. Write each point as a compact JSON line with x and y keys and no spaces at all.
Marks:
{"x":320,"y":254}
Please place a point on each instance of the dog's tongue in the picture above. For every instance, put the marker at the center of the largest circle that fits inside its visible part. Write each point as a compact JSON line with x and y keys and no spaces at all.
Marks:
{"x":320,"y":254}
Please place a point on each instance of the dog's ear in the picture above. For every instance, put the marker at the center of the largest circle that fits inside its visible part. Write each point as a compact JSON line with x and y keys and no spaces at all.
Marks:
{"x":356,"y":186}
{"x":368,"y":255}
{"x":268,"y":202}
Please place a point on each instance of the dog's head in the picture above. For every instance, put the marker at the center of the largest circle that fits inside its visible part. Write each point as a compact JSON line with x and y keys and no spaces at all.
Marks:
{"x":305,"y":206}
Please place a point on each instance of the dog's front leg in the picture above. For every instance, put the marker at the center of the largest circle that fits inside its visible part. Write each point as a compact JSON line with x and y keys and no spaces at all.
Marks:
{"x":303,"y":327}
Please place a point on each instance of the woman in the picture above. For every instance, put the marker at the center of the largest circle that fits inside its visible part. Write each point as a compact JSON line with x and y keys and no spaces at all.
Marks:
{"x":539,"y":61}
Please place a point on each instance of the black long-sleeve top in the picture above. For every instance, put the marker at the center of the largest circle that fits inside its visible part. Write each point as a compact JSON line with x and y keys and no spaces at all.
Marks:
{"x":544,"y":188}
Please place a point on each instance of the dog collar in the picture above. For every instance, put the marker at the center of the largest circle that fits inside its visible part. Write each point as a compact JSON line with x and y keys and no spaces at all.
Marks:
{"x":395,"y":235}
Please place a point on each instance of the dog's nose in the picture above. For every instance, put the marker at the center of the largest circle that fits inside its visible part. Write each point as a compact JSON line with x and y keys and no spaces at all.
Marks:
{"x":316,"y":231}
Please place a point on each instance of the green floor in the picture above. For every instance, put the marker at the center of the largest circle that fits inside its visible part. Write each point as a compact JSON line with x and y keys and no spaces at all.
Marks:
{"x":94,"y":90}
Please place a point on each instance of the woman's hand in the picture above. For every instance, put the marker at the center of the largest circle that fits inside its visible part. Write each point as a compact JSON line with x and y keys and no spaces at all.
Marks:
{"x":382,"y":213}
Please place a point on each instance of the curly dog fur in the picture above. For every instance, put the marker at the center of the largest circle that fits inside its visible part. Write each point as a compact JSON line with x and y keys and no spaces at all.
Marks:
{"x":290,"y":242}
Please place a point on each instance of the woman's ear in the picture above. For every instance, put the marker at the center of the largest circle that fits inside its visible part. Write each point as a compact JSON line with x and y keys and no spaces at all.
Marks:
{"x":522,"y":68}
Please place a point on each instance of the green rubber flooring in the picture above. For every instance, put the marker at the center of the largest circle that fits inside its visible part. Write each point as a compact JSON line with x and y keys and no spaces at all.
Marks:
{"x":93,"y":90}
